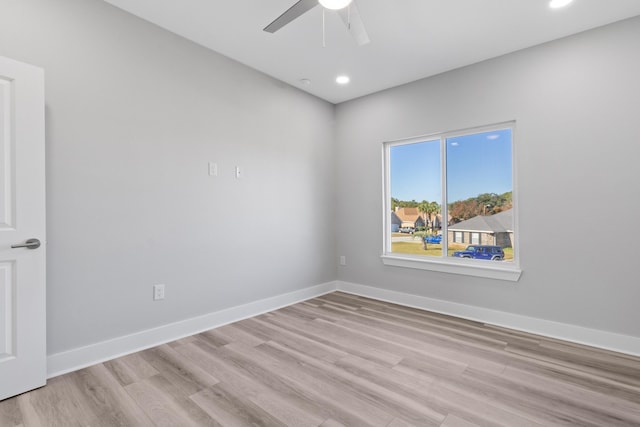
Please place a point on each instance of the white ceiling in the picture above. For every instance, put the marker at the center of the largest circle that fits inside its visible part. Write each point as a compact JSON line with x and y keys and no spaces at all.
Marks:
{"x":410,"y":39}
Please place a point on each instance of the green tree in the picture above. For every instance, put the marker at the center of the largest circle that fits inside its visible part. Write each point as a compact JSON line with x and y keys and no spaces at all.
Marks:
{"x":409,"y":204}
{"x":428,"y":209}
{"x":395,"y":203}
{"x":423,"y":208}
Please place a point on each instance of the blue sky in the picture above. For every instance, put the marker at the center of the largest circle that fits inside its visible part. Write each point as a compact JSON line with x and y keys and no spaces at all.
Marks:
{"x":476,"y":164}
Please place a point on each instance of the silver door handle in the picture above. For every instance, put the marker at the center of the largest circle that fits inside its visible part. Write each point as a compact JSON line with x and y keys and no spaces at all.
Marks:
{"x":29,"y":244}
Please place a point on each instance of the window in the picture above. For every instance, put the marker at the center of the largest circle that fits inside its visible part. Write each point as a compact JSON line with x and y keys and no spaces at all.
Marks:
{"x":459,"y":187}
{"x":475,"y":238}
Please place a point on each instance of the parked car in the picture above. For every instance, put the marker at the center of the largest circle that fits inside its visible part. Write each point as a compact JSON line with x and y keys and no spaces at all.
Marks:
{"x":433,"y":239}
{"x":494,"y":253}
{"x":409,"y":230}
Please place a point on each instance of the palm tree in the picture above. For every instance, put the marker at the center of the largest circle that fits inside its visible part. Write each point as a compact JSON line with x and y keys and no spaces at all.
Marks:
{"x":423,"y":208}
{"x":433,"y":209}
{"x":428,"y":209}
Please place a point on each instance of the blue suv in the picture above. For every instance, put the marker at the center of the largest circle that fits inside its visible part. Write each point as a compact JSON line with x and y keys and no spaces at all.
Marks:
{"x":494,"y":253}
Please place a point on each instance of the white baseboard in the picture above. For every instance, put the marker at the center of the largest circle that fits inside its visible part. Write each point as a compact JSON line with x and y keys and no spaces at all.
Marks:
{"x":576,"y":334}
{"x":78,"y":358}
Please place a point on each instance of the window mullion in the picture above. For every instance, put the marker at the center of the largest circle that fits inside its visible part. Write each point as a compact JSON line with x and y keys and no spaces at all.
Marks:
{"x":444,"y":209}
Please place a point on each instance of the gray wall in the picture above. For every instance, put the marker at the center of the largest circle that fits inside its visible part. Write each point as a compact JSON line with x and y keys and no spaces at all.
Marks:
{"x":576,"y":102}
{"x":134,"y":114}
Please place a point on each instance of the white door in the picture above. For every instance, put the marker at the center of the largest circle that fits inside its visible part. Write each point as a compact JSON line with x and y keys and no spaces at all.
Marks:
{"x":22,"y":220}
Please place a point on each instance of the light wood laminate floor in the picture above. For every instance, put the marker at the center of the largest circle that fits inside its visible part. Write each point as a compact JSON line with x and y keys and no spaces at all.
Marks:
{"x":343,"y":360}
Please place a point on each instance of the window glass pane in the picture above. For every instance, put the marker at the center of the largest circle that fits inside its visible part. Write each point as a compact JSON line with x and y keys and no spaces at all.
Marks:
{"x":416,"y":193}
{"x":479,"y":194}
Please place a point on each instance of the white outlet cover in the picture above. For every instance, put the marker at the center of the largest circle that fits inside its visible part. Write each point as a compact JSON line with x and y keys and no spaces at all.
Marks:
{"x":158,"y":292}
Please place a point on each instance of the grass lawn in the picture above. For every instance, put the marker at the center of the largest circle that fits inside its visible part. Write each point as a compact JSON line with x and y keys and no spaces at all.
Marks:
{"x":415,"y":248}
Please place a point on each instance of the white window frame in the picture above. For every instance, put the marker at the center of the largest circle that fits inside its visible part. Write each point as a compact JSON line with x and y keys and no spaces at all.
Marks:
{"x":508,"y":271}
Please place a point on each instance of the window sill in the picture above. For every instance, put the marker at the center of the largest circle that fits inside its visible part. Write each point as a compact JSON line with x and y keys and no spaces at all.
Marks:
{"x":496,"y":270}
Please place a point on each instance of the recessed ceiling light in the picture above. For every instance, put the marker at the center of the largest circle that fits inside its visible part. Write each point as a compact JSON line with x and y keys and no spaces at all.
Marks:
{"x":305,"y":82}
{"x":334,"y":4}
{"x":556,"y":4}
{"x":342,"y":80}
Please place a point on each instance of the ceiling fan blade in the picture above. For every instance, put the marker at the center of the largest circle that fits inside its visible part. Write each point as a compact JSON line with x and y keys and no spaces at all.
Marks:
{"x":290,"y":14}
{"x":351,"y":18}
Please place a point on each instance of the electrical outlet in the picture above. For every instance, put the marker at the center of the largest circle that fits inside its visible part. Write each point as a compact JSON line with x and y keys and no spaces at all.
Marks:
{"x":158,"y":292}
{"x":213,"y":169}
{"x":343,"y":260}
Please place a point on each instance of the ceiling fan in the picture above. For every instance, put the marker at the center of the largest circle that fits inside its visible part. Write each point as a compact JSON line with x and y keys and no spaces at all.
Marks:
{"x":347,"y":10}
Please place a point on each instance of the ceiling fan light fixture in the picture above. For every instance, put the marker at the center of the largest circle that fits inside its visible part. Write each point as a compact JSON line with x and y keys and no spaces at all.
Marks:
{"x":334,"y":4}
